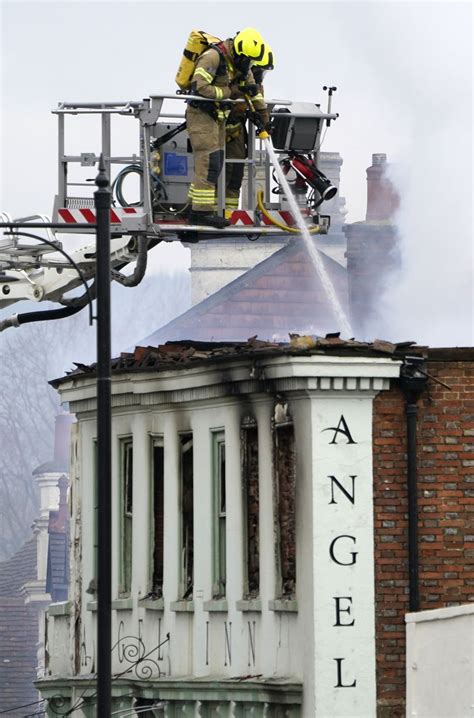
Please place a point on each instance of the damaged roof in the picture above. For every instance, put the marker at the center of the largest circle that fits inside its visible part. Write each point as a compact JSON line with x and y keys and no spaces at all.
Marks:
{"x":182,"y":354}
{"x":281,"y":294}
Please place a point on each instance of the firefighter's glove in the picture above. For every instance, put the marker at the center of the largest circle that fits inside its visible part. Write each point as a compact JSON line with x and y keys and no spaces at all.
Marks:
{"x":226,"y":108}
{"x":251,"y":89}
{"x":256,"y":119}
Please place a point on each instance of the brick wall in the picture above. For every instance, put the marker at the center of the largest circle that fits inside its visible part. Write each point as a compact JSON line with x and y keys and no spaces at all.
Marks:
{"x":445,"y":508}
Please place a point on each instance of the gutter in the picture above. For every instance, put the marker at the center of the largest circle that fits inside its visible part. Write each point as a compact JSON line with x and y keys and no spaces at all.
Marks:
{"x":413,"y":382}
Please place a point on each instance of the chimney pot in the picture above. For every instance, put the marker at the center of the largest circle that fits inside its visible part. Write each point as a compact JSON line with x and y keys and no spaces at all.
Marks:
{"x":379,"y":158}
{"x":382,"y":198}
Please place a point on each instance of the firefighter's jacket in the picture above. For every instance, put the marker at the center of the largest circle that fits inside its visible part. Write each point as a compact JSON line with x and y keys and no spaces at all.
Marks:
{"x":216,"y":78}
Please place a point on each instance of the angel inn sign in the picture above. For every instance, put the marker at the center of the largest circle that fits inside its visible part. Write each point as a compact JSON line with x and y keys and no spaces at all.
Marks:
{"x":243,"y":536}
{"x":344,"y":614}
{"x":342,"y":533}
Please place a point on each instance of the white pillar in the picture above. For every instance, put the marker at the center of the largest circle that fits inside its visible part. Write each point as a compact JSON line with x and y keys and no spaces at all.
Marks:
{"x":343,"y":555}
{"x":172,"y":518}
{"x":234,"y":511}
{"x":234,"y":539}
{"x":142,"y":505}
{"x":300,"y":410}
{"x":263,"y":413}
{"x":202,"y":535}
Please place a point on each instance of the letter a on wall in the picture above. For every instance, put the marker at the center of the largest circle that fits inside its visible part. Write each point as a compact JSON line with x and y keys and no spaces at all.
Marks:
{"x":343,"y":429}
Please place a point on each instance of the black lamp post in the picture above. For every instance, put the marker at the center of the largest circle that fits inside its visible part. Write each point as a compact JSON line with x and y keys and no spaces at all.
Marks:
{"x":102,"y":200}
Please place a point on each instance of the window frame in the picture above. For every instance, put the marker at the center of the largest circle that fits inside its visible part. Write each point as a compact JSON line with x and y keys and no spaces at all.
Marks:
{"x":126,"y":518}
{"x":156,"y":441}
{"x":185,"y":588}
{"x":219,"y":515}
{"x":249,"y":428}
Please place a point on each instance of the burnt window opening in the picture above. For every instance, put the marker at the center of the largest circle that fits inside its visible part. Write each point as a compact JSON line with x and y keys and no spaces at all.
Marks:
{"x":219,"y":516}
{"x":249,"y":446}
{"x":284,"y":462}
{"x":126,"y":510}
{"x":187,"y":517}
{"x":158,"y":517}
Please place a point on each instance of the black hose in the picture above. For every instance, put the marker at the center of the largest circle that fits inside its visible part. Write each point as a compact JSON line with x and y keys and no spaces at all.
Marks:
{"x":87,"y":295}
{"x":74,"y":306}
{"x":79,"y":301}
{"x":140,"y":268}
{"x":28,"y":317}
{"x":118,"y":182}
{"x":42,"y":316}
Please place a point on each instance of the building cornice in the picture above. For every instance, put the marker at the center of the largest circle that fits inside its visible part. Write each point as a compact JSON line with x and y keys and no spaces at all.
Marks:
{"x":260,"y":689}
{"x":244,"y":376}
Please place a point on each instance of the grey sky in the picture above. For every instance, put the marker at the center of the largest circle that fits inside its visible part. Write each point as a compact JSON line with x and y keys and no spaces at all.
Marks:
{"x":403,"y":72}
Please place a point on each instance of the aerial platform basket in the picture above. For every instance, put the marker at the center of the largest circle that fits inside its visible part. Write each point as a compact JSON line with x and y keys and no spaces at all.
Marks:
{"x":162,"y":194}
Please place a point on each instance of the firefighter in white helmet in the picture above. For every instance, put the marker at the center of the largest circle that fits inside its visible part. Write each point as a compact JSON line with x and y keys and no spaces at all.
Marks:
{"x":218,"y":71}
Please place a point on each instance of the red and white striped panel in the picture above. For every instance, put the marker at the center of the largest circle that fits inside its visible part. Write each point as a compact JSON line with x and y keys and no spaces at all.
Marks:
{"x":79,"y":216}
{"x":239,"y":217}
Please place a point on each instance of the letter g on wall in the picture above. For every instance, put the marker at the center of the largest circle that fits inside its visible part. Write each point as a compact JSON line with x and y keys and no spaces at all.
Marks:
{"x":352,"y":554}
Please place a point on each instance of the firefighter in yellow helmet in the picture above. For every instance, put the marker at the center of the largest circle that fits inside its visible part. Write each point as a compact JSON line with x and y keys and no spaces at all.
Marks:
{"x":236,"y":131}
{"x":217,"y":75}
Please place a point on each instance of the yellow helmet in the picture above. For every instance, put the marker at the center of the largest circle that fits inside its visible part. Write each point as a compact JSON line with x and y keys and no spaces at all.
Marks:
{"x":250,"y":43}
{"x":268,"y":59}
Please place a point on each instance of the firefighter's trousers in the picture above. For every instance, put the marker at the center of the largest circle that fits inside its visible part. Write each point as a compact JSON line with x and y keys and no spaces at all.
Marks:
{"x":235,"y":148}
{"x":207,"y":138}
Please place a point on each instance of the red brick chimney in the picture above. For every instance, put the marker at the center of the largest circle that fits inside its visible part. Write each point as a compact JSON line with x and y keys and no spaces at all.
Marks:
{"x":372,"y":251}
{"x":382,"y":198}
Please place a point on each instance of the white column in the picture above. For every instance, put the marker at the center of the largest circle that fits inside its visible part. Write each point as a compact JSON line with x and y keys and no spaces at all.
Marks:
{"x":300,"y":410}
{"x":142,"y":506}
{"x":267,"y":638}
{"x":234,"y":539}
{"x":234,"y":512}
{"x":179,"y":650}
{"x":343,"y":556}
{"x":172,"y":518}
{"x":202,"y":535}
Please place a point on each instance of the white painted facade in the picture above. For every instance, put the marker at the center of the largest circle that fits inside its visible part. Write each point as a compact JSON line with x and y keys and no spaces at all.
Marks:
{"x":440,"y":663}
{"x":311,"y":655}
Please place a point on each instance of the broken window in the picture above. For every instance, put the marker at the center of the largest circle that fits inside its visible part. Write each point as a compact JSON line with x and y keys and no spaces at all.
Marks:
{"x":187,"y":516}
{"x":284,"y":462}
{"x":249,"y":445}
{"x":219,"y":518}
{"x":158,"y":517}
{"x":126,"y":510}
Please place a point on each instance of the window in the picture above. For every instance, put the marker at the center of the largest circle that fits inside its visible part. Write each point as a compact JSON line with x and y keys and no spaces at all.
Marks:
{"x":219,"y":516}
{"x":157,"y":522}
{"x":249,"y":446}
{"x":187,"y":516}
{"x":126,"y":511}
{"x":284,"y":461}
